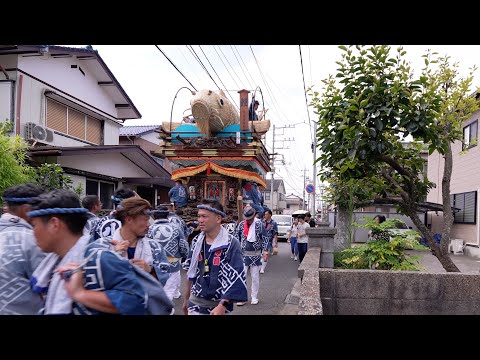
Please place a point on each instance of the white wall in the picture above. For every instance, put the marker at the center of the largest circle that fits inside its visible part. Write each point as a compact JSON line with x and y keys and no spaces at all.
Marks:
{"x":58,"y":72}
{"x":79,"y":180}
{"x":33,"y":110}
{"x":106,"y":164}
{"x":5,"y":100}
{"x":60,"y":140}
{"x":30,"y":109}
{"x":152,"y":137}
{"x":111,"y":133}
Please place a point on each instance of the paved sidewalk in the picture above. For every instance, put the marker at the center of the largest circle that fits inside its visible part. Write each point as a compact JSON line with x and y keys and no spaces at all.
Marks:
{"x":466,"y":264}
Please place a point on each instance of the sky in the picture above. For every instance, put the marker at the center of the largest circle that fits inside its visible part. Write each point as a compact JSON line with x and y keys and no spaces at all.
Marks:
{"x":152,"y":83}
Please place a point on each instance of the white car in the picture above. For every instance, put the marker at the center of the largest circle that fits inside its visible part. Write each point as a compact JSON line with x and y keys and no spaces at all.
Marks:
{"x":284,"y":223}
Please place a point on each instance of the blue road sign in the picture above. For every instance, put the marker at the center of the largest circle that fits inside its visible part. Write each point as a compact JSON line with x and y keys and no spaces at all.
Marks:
{"x":310,"y":188}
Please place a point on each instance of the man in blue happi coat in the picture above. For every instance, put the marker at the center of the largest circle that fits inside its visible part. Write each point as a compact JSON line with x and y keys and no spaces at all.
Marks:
{"x":19,"y":253}
{"x":106,"y":226}
{"x":102,"y":283}
{"x":178,"y":194}
{"x":216,"y":275}
{"x":254,"y":244}
{"x":171,"y":238}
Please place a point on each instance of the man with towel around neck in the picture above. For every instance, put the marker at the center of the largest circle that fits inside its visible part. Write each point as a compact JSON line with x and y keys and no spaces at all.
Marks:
{"x":254,"y":244}
{"x":216,"y":275}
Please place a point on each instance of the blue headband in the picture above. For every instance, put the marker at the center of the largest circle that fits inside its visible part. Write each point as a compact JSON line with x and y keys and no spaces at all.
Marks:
{"x":160,"y":211}
{"x":17,"y":200}
{"x":117,"y":199}
{"x":209,"y":208}
{"x":42,"y":212}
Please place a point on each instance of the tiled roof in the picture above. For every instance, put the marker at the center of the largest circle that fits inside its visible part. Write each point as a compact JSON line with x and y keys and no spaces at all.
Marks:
{"x":276,"y":184}
{"x":137,"y":130}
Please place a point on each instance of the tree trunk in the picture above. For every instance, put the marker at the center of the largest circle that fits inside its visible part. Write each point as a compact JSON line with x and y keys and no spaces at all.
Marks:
{"x":444,"y":259}
{"x":447,"y":206}
{"x":342,"y":239}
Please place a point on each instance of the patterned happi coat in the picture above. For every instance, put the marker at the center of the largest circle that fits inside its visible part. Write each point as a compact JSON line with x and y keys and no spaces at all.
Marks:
{"x":108,"y":272}
{"x":231,"y":227}
{"x":91,"y":224}
{"x":226,"y":278}
{"x":180,"y":223}
{"x":272,"y":229}
{"x":168,"y":235}
{"x":105,"y":227}
{"x":158,"y":259}
{"x":260,"y":244}
{"x":19,"y":257}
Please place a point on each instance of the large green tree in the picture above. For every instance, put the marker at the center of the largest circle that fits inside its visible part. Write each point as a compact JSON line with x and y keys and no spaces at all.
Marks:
{"x":347,"y":195}
{"x":457,"y":105}
{"x":365,"y":113}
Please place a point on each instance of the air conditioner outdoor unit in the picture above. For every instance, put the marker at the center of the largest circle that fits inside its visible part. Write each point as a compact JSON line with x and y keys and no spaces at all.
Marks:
{"x":38,"y":133}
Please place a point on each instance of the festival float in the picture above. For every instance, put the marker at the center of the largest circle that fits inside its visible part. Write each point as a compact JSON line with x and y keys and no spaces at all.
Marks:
{"x":219,"y":155}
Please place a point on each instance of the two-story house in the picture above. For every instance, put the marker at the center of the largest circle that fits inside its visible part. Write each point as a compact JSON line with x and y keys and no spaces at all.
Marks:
{"x":147,"y":137}
{"x":293,"y":203}
{"x":277,"y":202}
{"x":464,"y":187}
{"x":67,"y":104}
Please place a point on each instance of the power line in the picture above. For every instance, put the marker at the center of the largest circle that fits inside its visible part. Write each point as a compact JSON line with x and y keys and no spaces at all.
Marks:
{"x":226,"y":65}
{"x":195,"y":55}
{"x":267,"y":86}
{"x":305,"y":91}
{"x":233,"y":101}
{"x":187,"y":62}
{"x":171,"y":62}
{"x":243,"y":65}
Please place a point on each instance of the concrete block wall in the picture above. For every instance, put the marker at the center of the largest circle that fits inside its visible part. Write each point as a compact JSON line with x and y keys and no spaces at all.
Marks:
{"x":377,"y":292}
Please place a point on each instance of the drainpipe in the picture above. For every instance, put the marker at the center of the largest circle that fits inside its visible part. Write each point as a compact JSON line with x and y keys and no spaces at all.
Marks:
{"x":43,"y":102}
{"x":19,"y":104}
{"x":132,"y":141}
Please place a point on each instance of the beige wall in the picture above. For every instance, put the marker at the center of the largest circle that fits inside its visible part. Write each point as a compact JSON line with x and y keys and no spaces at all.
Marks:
{"x":465,"y":178}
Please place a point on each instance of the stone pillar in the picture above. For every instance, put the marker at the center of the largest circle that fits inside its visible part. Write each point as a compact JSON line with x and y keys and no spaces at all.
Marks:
{"x":322,"y":237}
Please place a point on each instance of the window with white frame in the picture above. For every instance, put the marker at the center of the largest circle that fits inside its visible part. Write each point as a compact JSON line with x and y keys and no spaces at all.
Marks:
{"x":103,"y":190}
{"x":465,"y":205}
{"x":266,"y":196}
{"x":470,"y":135}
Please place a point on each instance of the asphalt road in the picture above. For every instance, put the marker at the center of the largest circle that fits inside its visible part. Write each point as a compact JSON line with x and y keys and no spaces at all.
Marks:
{"x":275,"y":284}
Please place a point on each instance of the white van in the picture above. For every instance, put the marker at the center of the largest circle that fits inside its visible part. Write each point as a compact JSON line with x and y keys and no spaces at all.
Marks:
{"x":284,"y":223}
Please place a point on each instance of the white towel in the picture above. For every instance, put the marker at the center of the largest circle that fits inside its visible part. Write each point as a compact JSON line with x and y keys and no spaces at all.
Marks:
{"x":45,"y":280}
{"x":142,"y":249}
{"x":252,"y":235}
{"x":220,"y":241}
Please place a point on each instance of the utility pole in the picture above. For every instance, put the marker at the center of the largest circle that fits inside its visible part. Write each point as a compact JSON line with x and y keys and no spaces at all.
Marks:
{"x":273,"y":163}
{"x":314,"y":150}
{"x":273,"y":168}
{"x":304,"y":186}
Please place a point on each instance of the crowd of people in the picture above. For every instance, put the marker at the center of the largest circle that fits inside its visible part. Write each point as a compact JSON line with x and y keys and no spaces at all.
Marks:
{"x":57,"y":256}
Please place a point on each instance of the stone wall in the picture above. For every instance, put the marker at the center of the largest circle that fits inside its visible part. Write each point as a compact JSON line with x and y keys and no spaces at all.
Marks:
{"x":380,"y":292}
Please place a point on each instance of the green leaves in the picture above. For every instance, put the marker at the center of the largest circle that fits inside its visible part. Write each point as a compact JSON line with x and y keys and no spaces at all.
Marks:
{"x":14,"y":169}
